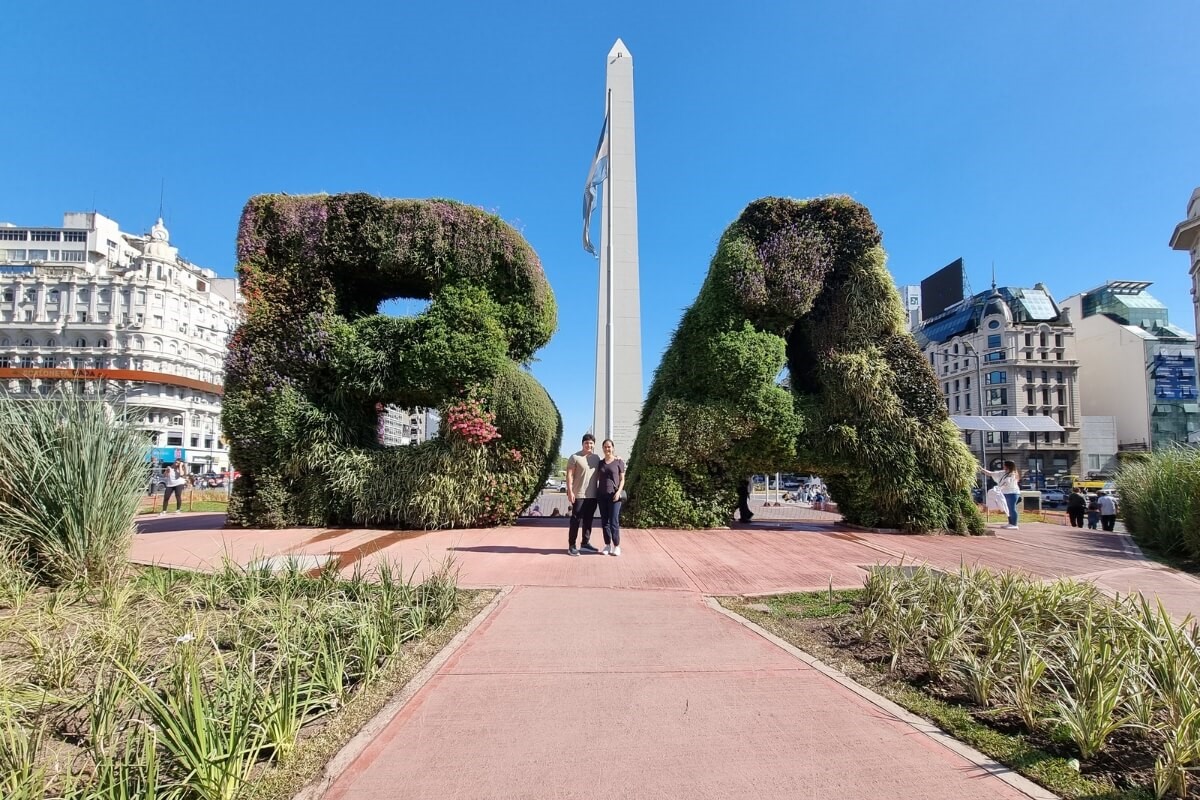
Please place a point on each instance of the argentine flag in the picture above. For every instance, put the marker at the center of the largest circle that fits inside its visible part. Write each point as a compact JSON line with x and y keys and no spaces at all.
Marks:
{"x":596,"y":175}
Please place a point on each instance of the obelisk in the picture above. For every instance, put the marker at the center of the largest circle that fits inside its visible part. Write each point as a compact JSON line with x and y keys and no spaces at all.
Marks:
{"x":619,"y":370}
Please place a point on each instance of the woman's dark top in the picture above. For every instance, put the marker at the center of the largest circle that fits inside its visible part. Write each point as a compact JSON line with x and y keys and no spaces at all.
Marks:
{"x":610,"y":476}
{"x":1076,"y":501}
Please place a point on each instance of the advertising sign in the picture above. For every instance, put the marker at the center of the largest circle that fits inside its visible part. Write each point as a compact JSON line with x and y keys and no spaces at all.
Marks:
{"x":166,"y":454}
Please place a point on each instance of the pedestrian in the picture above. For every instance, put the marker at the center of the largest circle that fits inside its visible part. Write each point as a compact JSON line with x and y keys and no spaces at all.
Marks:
{"x":743,"y":506}
{"x":1093,"y":512}
{"x":1009,"y":480}
{"x":610,"y":495}
{"x":173,"y":483}
{"x":1108,"y":511}
{"x":1076,"y":507}
{"x":583,"y":479}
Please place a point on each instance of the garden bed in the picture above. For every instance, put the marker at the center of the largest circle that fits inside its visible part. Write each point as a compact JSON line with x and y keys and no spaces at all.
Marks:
{"x":1089,"y":697}
{"x":185,"y":685}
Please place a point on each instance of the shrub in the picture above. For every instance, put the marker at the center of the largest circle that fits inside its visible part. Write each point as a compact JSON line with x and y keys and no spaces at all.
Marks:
{"x":1160,"y":500}
{"x":73,"y":475}
{"x":313,"y":363}
{"x":801,"y":284}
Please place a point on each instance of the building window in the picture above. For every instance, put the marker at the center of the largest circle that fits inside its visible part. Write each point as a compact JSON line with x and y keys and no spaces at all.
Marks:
{"x":102,"y":343}
{"x":30,"y":295}
{"x":1058,"y":356}
{"x":74,"y":236}
{"x":967,"y":383}
{"x":8,"y":295}
{"x":49,"y":362}
{"x":957,"y":403}
{"x":956,"y":386}
{"x":3,"y":362}
{"x":1043,"y":339}
{"x":53,"y":296}
{"x":999,"y":376}
{"x":968,"y":402}
{"x":26,"y":362}
{"x":195,"y":441}
{"x":82,"y":316}
{"x":44,"y":236}
{"x":997,"y":397}
{"x":993,"y":357}
{"x":993,"y":340}
{"x":1045,"y":376}
{"x":1058,"y":376}
{"x":76,"y":256}
{"x":13,"y":236}
{"x":1058,"y":340}
{"x":993,"y":324}
{"x":39,"y":255}
{"x":175,"y":440}
{"x":27,"y":342}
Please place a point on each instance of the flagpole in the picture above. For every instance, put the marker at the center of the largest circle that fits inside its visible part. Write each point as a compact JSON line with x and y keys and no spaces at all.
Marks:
{"x":608,"y":305}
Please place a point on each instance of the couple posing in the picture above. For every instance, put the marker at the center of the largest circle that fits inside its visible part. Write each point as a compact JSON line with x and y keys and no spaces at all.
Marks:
{"x":592,"y":481}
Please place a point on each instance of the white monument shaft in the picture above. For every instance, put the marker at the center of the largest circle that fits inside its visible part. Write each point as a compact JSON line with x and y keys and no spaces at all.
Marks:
{"x":619,"y":337}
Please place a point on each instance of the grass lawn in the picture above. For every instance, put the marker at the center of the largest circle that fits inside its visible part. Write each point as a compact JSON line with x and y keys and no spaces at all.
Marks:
{"x":220,"y":506}
{"x":817,"y":623}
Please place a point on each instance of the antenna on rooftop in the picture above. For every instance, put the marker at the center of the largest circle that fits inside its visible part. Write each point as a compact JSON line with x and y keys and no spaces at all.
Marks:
{"x":993,"y":276}
{"x":162,"y":186}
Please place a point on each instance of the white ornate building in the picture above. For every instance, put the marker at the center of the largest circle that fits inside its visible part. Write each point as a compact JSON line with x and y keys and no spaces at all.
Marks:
{"x":122,"y":315}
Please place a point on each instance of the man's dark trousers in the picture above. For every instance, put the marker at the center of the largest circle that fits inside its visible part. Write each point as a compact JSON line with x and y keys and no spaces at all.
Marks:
{"x":1108,"y":521}
{"x":582,"y":511}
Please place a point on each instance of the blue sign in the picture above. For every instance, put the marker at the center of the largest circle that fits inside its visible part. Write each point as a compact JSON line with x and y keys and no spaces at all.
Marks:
{"x":166,"y":454}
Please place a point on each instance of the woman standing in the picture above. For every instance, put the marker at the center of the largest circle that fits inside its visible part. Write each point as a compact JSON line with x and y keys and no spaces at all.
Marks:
{"x":174,"y":483}
{"x":1008,"y":480}
{"x":612,"y":489}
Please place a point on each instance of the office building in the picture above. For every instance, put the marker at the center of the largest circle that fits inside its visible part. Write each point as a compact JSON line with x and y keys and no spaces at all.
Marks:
{"x":124,"y":317}
{"x":1135,"y":365}
{"x":1010,"y":352}
{"x":1187,"y":238}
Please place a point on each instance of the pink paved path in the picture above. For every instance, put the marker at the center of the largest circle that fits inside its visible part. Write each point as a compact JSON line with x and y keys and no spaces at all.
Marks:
{"x":604,"y":677}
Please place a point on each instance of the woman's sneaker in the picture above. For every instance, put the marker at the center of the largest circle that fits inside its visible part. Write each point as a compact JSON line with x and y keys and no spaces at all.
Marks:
{"x":616,"y":551}
{"x":1011,"y":528}
{"x":604,"y":552}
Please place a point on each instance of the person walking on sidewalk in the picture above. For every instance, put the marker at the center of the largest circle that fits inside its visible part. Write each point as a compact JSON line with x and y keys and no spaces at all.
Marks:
{"x":611,"y":493}
{"x":583,"y":479}
{"x":1093,"y":512}
{"x":743,"y":506}
{"x":1076,"y":507}
{"x":174,"y":483}
{"x":1009,"y":480}
{"x":1108,"y":511}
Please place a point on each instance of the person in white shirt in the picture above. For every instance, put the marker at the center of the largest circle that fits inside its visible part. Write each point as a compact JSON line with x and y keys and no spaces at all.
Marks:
{"x":173,"y":483}
{"x":1008,"y":480}
{"x":1108,"y":511}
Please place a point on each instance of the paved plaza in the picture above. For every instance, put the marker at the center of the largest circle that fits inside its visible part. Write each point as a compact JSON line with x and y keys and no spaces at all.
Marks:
{"x":606,"y":677}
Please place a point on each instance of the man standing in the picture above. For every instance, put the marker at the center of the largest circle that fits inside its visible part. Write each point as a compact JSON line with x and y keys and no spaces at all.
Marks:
{"x":1108,"y":511}
{"x":1076,"y":507}
{"x":582,"y":483}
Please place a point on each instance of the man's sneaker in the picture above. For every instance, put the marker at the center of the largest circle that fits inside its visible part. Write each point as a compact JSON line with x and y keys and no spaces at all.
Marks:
{"x":177,"y":511}
{"x":591,"y":548}
{"x":1011,"y":528}
{"x":604,"y":552}
{"x":616,"y":551}
{"x":161,"y":514}
{"x":572,"y":551}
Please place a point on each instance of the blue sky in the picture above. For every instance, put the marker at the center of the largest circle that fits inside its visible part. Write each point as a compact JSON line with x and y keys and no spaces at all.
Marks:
{"x":1057,"y":140}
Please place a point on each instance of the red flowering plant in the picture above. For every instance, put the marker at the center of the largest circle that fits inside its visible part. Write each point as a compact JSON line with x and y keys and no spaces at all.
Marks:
{"x":471,"y":422}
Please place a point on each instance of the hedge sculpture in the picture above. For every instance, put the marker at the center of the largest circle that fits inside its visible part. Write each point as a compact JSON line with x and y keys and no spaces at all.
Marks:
{"x":801,"y":283}
{"x":313,"y":362}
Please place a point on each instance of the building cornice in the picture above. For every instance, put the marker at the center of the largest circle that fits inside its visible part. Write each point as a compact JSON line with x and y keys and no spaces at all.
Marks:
{"x":136,"y":375}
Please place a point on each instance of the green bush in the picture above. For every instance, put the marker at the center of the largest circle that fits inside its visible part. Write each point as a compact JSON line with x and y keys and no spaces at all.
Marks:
{"x":1160,"y":500}
{"x":70,"y":487}
{"x":801,"y":284}
{"x":313,"y":364}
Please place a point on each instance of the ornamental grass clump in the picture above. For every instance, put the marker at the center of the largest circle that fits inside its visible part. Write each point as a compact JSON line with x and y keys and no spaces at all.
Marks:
{"x":203,"y":687}
{"x":1071,"y":664}
{"x":1160,"y":500}
{"x":74,"y":470}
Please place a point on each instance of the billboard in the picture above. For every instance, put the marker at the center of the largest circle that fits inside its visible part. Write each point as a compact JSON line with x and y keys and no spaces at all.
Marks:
{"x":942,"y":289}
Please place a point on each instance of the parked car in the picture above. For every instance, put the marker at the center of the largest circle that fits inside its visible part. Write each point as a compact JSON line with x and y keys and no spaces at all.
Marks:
{"x":211,"y":480}
{"x":555,"y":485}
{"x":1054,"y":497}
